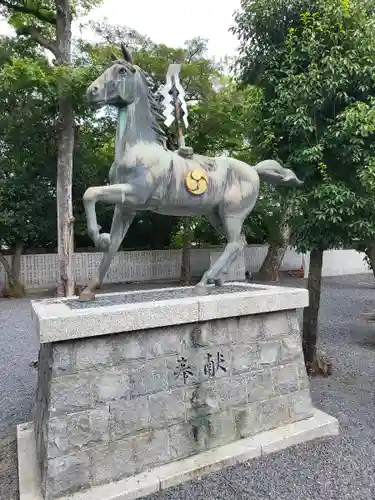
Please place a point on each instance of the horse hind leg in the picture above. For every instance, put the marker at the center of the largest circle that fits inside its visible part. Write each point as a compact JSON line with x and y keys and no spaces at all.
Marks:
{"x":216,"y":223}
{"x":233,"y":227}
{"x":230,"y":261}
{"x":120,"y":225}
{"x":233,"y":219}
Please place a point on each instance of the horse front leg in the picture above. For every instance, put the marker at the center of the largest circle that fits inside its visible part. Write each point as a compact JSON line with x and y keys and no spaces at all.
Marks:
{"x":120,"y":225}
{"x":117,"y":194}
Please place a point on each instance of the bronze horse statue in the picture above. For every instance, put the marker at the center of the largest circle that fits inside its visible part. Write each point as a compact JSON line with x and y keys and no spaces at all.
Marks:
{"x":145,"y":175}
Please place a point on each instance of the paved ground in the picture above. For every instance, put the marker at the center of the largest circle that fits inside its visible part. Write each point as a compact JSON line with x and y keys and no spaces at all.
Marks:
{"x":341,"y":468}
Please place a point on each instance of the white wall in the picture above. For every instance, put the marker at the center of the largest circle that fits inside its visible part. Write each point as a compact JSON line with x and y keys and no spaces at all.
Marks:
{"x":255,"y":255}
{"x":40,"y":271}
{"x":340,"y":263}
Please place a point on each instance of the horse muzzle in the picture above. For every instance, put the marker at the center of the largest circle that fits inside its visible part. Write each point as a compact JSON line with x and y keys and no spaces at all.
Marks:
{"x":95,"y":96}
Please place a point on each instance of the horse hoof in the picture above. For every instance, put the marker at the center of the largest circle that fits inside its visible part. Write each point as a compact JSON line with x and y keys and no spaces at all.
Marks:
{"x":86,"y":296}
{"x":199,"y":289}
{"x":104,"y":241}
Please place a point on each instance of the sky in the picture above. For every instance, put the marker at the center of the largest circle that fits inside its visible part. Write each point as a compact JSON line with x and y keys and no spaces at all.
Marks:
{"x":209,"y":19}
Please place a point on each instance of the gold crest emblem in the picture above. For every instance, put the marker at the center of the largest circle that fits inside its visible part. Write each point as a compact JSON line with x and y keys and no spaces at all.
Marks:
{"x":196,"y":181}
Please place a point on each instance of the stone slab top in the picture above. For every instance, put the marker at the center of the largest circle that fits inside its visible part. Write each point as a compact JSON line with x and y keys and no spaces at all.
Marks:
{"x":68,"y":318}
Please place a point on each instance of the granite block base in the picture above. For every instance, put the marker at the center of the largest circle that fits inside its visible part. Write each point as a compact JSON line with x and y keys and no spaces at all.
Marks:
{"x":152,"y":390}
{"x":192,"y":468}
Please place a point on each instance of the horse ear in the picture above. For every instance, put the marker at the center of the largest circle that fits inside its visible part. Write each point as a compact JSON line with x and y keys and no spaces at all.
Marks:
{"x":126,"y":53}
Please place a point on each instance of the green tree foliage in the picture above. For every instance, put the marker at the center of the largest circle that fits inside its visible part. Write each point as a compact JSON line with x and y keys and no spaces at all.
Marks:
{"x":314,"y":65}
{"x":28,"y":158}
{"x":49,"y":24}
{"x":262,"y":28}
{"x":221,"y":123}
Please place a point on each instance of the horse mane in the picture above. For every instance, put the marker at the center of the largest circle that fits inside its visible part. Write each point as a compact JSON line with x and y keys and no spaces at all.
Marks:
{"x":156,"y":108}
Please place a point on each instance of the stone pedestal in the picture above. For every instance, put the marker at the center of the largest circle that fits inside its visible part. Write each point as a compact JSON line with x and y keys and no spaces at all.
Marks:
{"x":150,"y":388}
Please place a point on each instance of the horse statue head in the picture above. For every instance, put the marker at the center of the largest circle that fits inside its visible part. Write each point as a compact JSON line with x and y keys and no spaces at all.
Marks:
{"x":117,"y":85}
{"x":130,"y":89}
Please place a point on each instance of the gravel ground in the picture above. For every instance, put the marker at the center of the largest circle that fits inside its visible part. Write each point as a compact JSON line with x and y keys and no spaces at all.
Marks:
{"x":18,"y":347}
{"x":339,"y":468}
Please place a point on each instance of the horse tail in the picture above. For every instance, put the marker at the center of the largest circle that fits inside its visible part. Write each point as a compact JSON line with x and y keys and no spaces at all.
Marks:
{"x":273,"y":173}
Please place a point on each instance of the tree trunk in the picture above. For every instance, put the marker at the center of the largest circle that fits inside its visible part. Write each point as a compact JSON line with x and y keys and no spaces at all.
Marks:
{"x":370,"y":254}
{"x":16,"y":262}
{"x":65,"y":220}
{"x":13,"y":288}
{"x":185,"y":262}
{"x":270,"y":268}
{"x":310,"y":313}
{"x":7,"y":267}
{"x":13,"y":269}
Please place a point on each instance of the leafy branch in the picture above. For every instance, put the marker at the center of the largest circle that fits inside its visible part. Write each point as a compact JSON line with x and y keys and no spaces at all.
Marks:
{"x":36,"y":35}
{"x":43,"y":14}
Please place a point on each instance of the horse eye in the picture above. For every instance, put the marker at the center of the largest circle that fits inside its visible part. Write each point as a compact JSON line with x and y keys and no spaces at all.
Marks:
{"x":122,"y":71}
